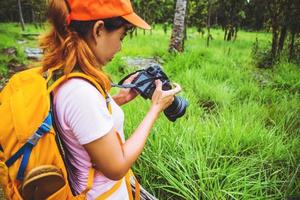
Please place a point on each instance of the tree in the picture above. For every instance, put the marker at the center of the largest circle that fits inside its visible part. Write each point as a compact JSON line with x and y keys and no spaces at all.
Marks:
{"x":293,"y":26}
{"x":255,"y":15}
{"x":21,"y":15}
{"x":275,"y":11}
{"x":209,"y":8}
{"x":231,"y":13}
{"x":197,"y":14}
{"x":177,"y":38}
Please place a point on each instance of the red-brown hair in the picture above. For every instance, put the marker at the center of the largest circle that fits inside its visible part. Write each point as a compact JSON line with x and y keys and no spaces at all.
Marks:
{"x":64,"y":45}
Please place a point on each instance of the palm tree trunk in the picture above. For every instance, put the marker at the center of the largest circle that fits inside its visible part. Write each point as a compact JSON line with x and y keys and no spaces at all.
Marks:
{"x":177,"y":38}
{"x":21,"y":15}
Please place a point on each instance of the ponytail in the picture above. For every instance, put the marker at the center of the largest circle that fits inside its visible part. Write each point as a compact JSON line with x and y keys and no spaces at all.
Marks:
{"x":63,"y":47}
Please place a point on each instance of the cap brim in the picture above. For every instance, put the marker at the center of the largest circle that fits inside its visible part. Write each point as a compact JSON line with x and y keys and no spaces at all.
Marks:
{"x":137,"y":21}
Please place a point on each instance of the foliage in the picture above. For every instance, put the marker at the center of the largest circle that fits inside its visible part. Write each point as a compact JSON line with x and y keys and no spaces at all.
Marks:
{"x":34,"y":11}
{"x":240,"y":136}
{"x":279,"y":16}
{"x":262,"y":56}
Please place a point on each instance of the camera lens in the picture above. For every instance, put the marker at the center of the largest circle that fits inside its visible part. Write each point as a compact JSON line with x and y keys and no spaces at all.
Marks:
{"x":176,"y":109}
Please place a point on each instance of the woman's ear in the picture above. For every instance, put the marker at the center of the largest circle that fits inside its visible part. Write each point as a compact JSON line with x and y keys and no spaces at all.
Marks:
{"x":97,"y":30}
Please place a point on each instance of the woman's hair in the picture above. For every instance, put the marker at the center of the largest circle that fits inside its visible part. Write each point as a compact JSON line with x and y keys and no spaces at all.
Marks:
{"x":64,"y":45}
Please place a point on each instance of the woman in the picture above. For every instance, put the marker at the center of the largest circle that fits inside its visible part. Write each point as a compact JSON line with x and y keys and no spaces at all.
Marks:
{"x":85,"y":36}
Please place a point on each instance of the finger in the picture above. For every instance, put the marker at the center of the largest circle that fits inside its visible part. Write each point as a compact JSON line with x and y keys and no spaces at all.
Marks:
{"x":171,"y":101}
{"x":131,"y":78}
{"x":158,"y":84}
{"x":175,"y":90}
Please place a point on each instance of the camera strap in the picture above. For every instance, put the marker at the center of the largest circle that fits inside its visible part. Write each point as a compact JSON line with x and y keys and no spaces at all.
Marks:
{"x":121,"y":85}
{"x":130,"y":85}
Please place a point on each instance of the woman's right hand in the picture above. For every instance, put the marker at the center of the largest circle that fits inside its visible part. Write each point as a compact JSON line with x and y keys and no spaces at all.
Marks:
{"x":162,"y":99}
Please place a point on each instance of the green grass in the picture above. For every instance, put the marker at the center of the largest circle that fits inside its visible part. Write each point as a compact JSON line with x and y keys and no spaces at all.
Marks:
{"x":240,"y":136}
{"x":10,"y":33}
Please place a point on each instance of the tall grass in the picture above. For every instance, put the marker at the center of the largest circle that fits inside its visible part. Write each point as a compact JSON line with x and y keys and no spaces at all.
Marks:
{"x":240,"y":136}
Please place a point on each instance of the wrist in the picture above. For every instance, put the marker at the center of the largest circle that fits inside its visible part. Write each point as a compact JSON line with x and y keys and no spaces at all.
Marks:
{"x":119,"y":99}
{"x":155,"y":110}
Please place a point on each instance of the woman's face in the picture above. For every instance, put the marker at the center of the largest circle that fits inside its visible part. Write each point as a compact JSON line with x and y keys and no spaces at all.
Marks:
{"x":105,"y":44}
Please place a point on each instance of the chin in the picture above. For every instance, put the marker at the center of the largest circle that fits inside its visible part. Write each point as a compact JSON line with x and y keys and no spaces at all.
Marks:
{"x":103,"y":62}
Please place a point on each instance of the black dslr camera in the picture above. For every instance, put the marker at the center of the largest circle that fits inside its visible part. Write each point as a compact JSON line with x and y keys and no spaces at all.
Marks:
{"x":144,"y":84}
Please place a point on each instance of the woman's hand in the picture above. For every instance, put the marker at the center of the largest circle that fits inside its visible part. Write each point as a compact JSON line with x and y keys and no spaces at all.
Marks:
{"x":126,"y":95}
{"x":162,"y":99}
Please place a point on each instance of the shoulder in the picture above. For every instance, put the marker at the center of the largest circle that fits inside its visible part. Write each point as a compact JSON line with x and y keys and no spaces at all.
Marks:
{"x":78,"y":84}
{"x":78,"y":88}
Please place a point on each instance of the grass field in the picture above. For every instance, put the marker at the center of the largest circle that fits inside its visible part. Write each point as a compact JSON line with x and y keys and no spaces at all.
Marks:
{"x":240,"y":136}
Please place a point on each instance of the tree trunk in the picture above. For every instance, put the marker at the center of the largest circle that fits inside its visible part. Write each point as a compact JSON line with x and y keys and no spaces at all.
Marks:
{"x":291,"y":47}
{"x":208,"y":23}
{"x":275,"y":10}
{"x":281,"y":39}
{"x":185,"y":22}
{"x":165,"y":27}
{"x":21,"y":15}
{"x":225,"y":33}
{"x":274,"y":43}
{"x":230,"y":33}
{"x":235,"y":33}
{"x":177,"y":38}
{"x":33,"y":18}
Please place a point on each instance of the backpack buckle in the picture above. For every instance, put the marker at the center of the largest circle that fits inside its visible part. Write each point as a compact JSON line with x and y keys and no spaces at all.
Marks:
{"x":34,"y":139}
{"x":107,"y":99}
{"x":43,"y":129}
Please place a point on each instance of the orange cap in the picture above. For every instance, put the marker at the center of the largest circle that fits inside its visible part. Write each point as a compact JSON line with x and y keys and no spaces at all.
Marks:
{"x":84,"y":10}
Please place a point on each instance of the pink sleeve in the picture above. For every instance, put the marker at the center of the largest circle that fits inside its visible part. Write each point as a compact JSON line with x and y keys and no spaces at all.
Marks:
{"x":86,"y":114}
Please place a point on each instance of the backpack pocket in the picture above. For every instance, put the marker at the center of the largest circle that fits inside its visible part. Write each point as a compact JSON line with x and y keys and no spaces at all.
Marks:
{"x":43,"y":182}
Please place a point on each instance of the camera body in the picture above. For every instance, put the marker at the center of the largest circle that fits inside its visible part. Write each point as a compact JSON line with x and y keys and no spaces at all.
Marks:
{"x":145,"y":81}
{"x":145,"y":85}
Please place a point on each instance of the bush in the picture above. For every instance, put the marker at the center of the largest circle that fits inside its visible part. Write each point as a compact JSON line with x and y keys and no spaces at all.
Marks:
{"x":262,"y":56}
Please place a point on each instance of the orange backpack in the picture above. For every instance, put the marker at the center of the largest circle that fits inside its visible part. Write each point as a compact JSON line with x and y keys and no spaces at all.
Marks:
{"x":29,"y":151}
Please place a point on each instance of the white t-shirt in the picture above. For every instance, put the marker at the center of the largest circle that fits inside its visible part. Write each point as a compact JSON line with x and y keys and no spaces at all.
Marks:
{"x":84,"y":117}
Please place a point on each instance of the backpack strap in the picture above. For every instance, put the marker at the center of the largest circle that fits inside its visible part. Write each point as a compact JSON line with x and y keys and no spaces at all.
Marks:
{"x":26,"y":149}
{"x":128,"y":176}
{"x":90,"y":181}
{"x":108,"y":193}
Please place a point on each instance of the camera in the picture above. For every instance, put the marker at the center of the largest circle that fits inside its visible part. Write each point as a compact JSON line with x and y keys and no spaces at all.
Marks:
{"x":144,"y":84}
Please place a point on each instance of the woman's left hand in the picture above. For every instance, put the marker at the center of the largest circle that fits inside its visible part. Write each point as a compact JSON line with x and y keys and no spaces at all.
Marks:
{"x":126,"y":95}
